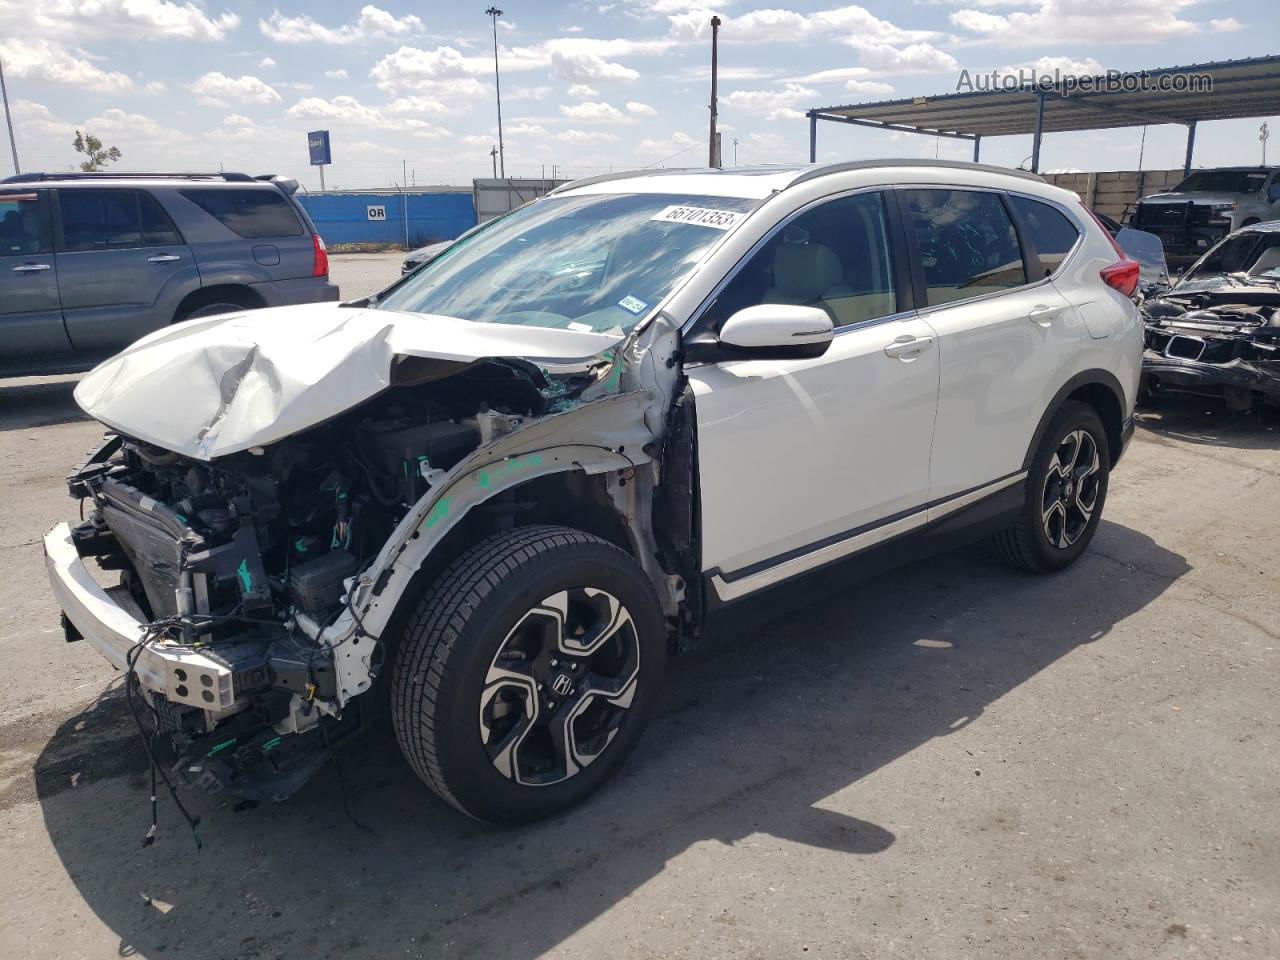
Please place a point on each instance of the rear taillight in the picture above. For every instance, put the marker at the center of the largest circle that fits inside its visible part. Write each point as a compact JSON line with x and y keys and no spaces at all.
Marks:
{"x":321,"y":266}
{"x":1122,"y":276}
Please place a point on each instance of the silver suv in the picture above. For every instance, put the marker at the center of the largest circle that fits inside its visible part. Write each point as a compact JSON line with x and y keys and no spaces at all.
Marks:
{"x":1208,"y":205}
{"x":91,"y":262}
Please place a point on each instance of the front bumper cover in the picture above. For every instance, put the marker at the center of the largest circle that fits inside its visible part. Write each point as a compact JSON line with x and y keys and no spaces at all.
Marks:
{"x":178,"y":673}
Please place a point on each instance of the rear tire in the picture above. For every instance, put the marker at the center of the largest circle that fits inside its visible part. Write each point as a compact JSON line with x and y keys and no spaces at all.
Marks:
{"x":527,"y":673}
{"x":1066,"y":489}
{"x":211,"y":309}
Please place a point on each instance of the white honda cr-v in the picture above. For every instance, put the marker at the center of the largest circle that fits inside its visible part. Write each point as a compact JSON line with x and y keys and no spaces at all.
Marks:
{"x":498,"y":494}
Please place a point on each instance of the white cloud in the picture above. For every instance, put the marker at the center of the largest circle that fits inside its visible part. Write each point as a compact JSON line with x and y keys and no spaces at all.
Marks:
{"x":640,"y":109}
{"x":525,"y":130}
{"x":780,"y":103}
{"x":885,"y":58}
{"x":416,"y":105}
{"x":838,"y":75}
{"x":34,"y":58}
{"x":845,"y":24}
{"x":1080,"y":21}
{"x":580,"y":91}
{"x":593,"y":111}
{"x":438,"y":71}
{"x":373,"y":23}
{"x":115,"y":19}
{"x":266,"y":62}
{"x":1226,"y":25}
{"x":678,"y":142}
{"x":586,"y":136}
{"x":217,"y":87}
{"x":338,"y":74}
{"x":591,"y":67}
{"x":868,"y":88}
{"x":1067,"y":66}
{"x":350,"y":111}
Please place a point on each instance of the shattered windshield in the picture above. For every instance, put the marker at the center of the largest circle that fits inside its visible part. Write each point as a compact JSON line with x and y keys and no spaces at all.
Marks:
{"x":587,"y":263}
{"x":1223,"y":181}
{"x":1243,"y":257}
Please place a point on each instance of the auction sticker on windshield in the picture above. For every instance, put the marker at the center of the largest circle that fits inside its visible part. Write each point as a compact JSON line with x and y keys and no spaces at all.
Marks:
{"x":701,"y":216}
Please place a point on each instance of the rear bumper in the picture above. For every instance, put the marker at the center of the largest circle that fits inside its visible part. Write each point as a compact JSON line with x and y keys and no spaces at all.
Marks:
{"x":284,"y":293}
{"x":177,"y":673}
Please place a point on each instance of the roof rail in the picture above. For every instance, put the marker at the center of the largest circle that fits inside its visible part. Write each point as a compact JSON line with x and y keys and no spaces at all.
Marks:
{"x":606,"y":177}
{"x":112,"y":175}
{"x":821,"y":170}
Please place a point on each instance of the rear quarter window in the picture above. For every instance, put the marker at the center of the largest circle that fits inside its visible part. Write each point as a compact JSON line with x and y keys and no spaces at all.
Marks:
{"x":1051,"y":233}
{"x":253,"y":214}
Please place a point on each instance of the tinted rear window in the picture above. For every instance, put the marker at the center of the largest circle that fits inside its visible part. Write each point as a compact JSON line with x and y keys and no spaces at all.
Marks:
{"x":20,"y":224}
{"x":250,"y":213}
{"x":1052,"y":234}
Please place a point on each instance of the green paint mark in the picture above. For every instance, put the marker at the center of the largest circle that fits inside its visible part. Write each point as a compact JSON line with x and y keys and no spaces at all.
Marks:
{"x":404,"y":465}
{"x":438,"y":512}
{"x":271,"y":744}
{"x":222,"y":746}
{"x":243,"y":572}
{"x":508,"y":468}
{"x":181,"y":517}
{"x":300,"y":545}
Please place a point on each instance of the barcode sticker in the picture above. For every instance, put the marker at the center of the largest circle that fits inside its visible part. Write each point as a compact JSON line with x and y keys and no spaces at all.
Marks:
{"x":701,"y":216}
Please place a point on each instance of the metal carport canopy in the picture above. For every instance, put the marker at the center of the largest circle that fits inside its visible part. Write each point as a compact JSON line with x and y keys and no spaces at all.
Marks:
{"x":1234,"y":89}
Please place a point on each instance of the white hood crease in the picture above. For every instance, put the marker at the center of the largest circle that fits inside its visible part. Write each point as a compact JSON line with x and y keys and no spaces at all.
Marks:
{"x":220,"y":385}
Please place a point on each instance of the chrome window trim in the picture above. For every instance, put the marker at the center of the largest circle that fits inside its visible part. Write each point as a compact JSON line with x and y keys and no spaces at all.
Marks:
{"x":699,"y":312}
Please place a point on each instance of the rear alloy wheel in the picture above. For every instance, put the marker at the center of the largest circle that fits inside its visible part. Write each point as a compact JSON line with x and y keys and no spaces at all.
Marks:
{"x":528,"y":672}
{"x":1066,"y":488}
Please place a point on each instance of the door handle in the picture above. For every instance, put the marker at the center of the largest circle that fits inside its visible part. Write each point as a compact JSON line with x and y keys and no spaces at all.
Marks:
{"x":906,"y":346}
{"x":163,"y":258}
{"x":31,"y":268}
{"x":1043,"y":314}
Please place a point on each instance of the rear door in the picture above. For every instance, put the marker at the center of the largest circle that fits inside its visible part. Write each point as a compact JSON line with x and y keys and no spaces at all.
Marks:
{"x":122,"y":266}
{"x":31,"y":326}
{"x":1005,"y":333}
{"x":262,"y":226}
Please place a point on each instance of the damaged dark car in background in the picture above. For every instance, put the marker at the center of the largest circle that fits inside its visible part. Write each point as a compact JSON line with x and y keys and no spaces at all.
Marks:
{"x":1216,"y":331}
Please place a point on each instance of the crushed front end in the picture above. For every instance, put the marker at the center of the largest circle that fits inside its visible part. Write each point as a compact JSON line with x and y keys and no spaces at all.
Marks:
{"x":1223,"y":342}
{"x":231,"y":569}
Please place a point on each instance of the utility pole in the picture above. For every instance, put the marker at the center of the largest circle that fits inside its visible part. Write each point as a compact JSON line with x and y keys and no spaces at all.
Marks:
{"x":13,"y":144}
{"x":715,"y":40}
{"x":1264,"y":135}
{"x":1142,"y":148}
{"x":495,"y":13}
{"x":735,"y":151}
{"x":493,"y":155}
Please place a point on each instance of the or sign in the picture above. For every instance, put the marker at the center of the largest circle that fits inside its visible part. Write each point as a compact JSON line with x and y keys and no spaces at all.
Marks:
{"x":377,"y":213}
{"x":318,"y":147}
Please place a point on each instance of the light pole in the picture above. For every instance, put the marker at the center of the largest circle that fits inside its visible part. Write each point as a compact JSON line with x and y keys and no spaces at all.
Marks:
{"x":715,"y":38}
{"x":13,"y":144}
{"x":495,"y":13}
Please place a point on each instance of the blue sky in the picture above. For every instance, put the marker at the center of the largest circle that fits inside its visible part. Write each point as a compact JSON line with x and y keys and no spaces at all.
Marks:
{"x":586,"y":86}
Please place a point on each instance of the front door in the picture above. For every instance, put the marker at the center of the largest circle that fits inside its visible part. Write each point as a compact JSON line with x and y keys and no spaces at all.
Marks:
{"x":31,"y":326}
{"x":122,"y":267}
{"x":804,"y":461}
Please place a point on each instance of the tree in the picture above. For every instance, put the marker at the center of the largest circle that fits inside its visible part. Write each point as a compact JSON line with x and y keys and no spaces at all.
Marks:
{"x":92,"y":148}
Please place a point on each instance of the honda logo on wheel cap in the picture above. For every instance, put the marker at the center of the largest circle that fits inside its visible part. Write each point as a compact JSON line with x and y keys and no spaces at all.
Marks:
{"x":562,"y":684}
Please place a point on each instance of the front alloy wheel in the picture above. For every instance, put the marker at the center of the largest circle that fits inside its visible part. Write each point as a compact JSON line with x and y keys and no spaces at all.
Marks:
{"x":527,"y":672}
{"x":559,"y":686}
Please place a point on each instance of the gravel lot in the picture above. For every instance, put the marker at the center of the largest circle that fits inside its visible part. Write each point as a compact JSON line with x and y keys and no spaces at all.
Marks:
{"x":953,"y":761}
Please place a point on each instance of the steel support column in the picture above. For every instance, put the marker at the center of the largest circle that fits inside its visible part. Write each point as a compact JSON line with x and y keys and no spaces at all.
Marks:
{"x":1191,"y":147}
{"x":813,"y":137}
{"x":1035,"y":144}
{"x":977,"y":142}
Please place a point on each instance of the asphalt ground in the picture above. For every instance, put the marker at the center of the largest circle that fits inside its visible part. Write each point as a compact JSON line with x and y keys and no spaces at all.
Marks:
{"x":952,"y":761}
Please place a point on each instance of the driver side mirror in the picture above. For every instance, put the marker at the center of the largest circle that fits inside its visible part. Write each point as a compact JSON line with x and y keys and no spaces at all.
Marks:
{"x":768,"y":331}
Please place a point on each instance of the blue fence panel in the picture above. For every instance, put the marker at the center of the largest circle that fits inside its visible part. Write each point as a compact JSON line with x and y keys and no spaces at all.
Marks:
{"x":344,"y":217}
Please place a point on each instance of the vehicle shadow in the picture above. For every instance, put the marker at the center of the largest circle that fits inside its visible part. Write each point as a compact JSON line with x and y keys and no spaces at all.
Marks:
{"x":38,"y":402}
{"x":751,"y":738}
{"x":1207,"y":422}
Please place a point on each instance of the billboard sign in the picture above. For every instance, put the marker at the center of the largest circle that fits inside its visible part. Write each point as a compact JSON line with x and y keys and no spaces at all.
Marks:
{"x":377,"y":213}
{"x":318,"y":147}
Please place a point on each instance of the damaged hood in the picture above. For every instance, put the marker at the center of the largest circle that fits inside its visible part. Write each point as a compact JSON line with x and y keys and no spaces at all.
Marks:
{"x":210,"y":387}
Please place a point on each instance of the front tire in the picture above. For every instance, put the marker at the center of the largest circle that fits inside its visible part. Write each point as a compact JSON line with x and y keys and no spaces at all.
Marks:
{"x":1066,"y":488}
{"x":527,"y":673}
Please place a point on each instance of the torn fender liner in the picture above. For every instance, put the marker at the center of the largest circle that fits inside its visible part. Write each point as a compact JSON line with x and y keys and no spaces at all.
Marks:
{"x":211,"y":387}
